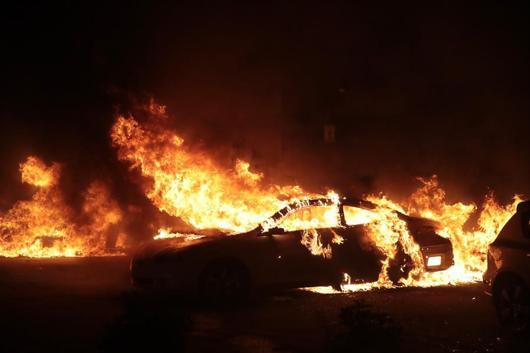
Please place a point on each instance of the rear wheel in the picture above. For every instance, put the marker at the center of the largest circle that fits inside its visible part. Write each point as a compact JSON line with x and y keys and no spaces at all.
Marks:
{"x":224,"y":282}
{"x":512,"y":302}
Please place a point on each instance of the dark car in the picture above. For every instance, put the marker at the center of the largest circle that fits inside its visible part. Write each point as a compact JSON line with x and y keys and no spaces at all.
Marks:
{"x":507,"y":277}
{"x":224,"y":267}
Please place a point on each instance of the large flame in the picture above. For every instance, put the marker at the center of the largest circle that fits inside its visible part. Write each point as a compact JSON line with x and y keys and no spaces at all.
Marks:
{"x":190,"y":185}
{"x":187,"y":183}
{"x":43,"y":226}
{"x":470,"y":243}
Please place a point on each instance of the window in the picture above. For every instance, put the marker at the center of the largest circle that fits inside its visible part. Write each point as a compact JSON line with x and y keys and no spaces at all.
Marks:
{"x":356,"y":215}
{"x":311,"y":218}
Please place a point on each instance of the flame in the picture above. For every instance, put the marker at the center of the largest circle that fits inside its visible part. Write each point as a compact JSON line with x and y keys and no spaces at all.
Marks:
{"x":387,"y":230}
{"x":469,"y":245}
{"x":429,"y":201}
{"x":35,"y":172}
{"x":355,"y":216}
{"x":43,"y":226}
{"x":164,"y":233}
{"x":187,"y":183}
{"x":305,"y":217}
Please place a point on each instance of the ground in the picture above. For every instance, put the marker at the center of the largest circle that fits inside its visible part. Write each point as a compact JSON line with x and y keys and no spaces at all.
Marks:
{"x":87,"y":305}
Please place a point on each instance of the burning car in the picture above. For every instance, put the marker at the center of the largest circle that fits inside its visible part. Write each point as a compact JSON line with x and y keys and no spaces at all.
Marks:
{"x":507,"y":277}
{"x":307,"y":243}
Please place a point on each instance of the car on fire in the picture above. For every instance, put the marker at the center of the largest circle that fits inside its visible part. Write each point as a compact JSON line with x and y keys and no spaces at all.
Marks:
{"x":222,"y":267}
{"x":507,"y":277}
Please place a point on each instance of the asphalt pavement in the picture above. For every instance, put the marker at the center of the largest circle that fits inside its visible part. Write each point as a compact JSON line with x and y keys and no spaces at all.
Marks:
{"x":87,"y":305}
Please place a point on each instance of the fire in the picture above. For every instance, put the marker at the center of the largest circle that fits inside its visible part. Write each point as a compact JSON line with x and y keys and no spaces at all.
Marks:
{"x":35,"y":172}
{"x":469,"y":245}
{"x":187,"y":183}
{"x":168,"y":234}
{"x":43,"y":226}
{"x":387,"y":230}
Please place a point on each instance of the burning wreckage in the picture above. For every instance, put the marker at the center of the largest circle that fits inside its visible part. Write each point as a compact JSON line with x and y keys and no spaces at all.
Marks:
{"x":272,"y":255}
{"x":313,"y":240}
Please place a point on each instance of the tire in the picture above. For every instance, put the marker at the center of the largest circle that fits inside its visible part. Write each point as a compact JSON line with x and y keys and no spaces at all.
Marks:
{"x":225,"y":281}
{"x":512,"y":303}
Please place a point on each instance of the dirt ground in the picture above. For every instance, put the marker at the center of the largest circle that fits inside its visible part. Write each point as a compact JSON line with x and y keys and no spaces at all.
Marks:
{"x":86,"y":305}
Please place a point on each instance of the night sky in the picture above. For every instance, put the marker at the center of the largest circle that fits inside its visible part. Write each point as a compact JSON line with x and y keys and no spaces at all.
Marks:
{"x":411,"y":90}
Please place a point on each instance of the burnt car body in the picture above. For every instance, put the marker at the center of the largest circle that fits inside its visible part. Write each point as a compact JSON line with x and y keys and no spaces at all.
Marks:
{"x":507,"y":277}
{"x":224,"y":266}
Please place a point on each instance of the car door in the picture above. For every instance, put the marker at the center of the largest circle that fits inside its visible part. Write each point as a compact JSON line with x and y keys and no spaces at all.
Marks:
{"x":357,"y":255}
{"x":300,"y":258}
{"x":295,"y":263}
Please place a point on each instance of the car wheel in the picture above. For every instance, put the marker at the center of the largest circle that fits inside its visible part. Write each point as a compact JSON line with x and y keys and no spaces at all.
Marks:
{"x":513,"y":304}
{"x":224,"y":282}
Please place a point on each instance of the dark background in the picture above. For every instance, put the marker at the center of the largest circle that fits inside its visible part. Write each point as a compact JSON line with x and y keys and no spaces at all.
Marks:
{"x":412,"y":90}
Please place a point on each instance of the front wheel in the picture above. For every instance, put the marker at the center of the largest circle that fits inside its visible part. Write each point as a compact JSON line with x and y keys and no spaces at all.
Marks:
{"x":512,"y":302}
{"x":224,"y":282}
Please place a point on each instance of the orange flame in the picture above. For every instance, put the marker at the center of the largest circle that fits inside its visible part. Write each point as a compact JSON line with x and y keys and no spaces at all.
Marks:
{"x":35,"y":172}
{"x":469,"y":246}
{"x":187,"y":183}
{"x":44,"y":227}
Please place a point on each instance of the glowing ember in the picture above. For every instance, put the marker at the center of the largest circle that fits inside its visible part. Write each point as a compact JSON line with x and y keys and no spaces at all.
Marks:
{"x":43,"y":226}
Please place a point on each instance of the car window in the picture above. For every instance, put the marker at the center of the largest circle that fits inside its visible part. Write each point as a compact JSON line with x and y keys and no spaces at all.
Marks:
{"x":356,"y":215}
{"x":310,"y":218}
